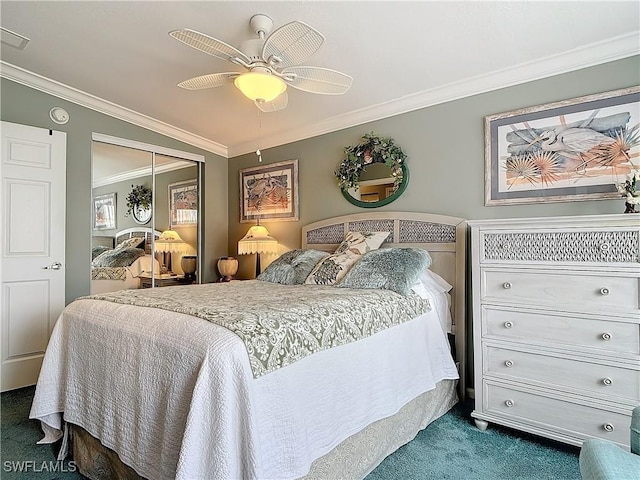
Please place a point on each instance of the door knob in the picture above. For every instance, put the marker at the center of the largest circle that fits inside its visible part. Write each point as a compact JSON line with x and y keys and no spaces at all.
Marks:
{"x":53,"y":266}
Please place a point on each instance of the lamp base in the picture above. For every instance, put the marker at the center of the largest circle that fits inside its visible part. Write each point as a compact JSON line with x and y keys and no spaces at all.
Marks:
{"x":228,"y":267}
{"x":189,"y":264}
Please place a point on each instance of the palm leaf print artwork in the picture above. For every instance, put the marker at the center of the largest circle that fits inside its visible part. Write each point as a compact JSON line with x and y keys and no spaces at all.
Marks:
{"x":590,"y":147}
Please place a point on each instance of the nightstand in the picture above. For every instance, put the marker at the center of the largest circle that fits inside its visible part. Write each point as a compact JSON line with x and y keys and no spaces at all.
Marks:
{"x":169,"y":281}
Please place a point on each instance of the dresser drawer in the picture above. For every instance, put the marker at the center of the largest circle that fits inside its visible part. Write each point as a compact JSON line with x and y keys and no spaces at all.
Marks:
{"x":591,"y":378}
{"x":571,"y":245}
{"x":562,"y":416}
{"x":607,"y":336}
{"x":577,"y":292}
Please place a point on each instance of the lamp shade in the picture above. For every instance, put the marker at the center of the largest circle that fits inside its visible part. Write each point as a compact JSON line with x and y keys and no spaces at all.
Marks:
{"x":170,"y":241}
{"x":257,"y":240}
{"x":260,"y":86}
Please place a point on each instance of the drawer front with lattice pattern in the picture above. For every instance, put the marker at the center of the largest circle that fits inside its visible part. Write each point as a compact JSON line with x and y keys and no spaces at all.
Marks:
{"x":617,"y":246}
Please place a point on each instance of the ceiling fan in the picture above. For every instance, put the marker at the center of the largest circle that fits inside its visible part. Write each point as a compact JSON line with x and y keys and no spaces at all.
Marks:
{"x":272,"y":63}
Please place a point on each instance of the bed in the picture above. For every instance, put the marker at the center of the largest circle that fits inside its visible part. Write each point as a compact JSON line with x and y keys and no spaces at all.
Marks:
{"x":153,"y":397}
{"x":108,"y":278}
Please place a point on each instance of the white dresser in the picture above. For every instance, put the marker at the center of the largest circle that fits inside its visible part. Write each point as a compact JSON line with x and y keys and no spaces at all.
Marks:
{"x":556,"y":325}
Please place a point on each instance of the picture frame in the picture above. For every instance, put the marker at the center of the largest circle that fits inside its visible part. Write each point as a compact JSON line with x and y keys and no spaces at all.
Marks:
{"x":183,"y":203}
{"x":571,"y":150}
{"x":269,"y":192}
{"x":104,"y":211}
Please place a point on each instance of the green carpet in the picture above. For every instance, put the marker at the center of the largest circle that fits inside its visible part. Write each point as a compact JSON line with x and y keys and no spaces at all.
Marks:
{"x":449,"y":448}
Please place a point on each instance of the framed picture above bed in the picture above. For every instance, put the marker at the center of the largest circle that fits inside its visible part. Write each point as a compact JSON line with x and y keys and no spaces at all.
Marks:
{"x":269,"y":192}
{"x":104,"y":211}
{"x":183,"y":203}
{"x":576,"y":149}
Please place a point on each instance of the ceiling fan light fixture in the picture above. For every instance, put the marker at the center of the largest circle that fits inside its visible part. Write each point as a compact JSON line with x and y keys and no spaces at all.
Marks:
{"x":262,"y":87}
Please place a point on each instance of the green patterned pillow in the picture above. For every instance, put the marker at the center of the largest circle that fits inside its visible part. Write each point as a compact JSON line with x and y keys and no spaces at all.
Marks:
{"x":293,"y":267}
{"x":331,"y":270}
{"x":394,"y":269}
{"x":121,"y":257}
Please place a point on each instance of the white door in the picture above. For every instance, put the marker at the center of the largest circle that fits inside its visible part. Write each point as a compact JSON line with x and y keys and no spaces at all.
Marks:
{"x":32,"y":215}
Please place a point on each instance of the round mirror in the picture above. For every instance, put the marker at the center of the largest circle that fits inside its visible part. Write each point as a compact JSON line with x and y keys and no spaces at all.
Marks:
{"x":373,"y":172}
{"x":141,"y":215}
{"x":377,"y":186}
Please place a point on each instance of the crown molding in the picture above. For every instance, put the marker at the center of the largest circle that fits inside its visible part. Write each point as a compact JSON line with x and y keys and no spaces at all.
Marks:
{"x":137,"y":173}
{"x":615,"y":48}
{"x":57,"y":89}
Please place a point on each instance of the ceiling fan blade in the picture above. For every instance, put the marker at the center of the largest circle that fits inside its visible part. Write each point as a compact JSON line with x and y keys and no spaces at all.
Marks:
{"x":279,"y":103}
{"x":291,"y":44}
{"x":209,"y":81}
{"x":317,"y":80}
{"x":209,"y":45}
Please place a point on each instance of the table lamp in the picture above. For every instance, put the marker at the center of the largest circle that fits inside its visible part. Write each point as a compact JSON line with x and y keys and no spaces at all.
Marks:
{"x":257,"y":240}
{"x":170,"y":242}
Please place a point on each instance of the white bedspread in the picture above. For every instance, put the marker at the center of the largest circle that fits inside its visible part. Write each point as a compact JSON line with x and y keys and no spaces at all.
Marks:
{"x":174,"y":395}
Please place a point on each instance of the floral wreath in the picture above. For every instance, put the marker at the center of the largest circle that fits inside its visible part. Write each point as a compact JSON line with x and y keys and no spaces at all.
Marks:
{"x":371,"y":149}
{"x":139,"y":196}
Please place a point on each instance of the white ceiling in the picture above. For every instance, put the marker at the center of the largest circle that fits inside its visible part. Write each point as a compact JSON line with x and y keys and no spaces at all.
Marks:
{"x":402,"y":56}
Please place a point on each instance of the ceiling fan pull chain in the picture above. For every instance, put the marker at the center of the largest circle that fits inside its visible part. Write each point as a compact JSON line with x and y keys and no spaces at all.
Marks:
{"x":258,"y":153}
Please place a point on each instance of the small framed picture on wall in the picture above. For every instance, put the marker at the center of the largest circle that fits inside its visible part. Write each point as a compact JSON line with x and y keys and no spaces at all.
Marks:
{"x":183,"y":203}
{"x":104,"y":211}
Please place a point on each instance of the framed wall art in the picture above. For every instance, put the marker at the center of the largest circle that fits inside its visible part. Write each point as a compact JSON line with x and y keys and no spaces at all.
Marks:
{"x":104,"y":211}
{"x":571,"y":150}
{"x":269,"y":192}
{"x":183,"y":203}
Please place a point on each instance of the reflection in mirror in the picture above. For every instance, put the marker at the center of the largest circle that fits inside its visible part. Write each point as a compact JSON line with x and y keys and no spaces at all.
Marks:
{"x":125,"y":176}
{"x":376,"y":183}
{"x":377,"y":186}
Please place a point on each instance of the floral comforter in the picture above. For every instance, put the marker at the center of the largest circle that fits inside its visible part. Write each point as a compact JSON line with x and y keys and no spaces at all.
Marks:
{"x":281,"y":324}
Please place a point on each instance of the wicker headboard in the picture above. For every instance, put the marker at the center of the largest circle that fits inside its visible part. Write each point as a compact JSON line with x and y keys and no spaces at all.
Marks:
{"x":146,"y":232}
{"x":442,"y":236}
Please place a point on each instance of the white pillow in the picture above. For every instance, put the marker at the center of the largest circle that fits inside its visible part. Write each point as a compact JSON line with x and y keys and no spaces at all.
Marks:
{"x":435,"y":288}
{"x":434,"y":283}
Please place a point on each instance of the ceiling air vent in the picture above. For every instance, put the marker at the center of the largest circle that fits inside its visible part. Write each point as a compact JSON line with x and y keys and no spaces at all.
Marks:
{"x":13,"y":39}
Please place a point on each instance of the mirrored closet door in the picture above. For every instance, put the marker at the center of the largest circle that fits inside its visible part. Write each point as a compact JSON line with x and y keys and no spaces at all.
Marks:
{"x":145,"y":215}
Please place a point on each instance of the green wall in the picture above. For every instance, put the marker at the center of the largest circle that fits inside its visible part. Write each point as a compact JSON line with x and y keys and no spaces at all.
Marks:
{"x":445,"y":148}
{"x":24,"y":105}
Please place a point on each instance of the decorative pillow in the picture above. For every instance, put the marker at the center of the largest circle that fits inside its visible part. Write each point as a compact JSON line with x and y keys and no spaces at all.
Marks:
{"x":121,"y":257}
{"x":394,"y":269}
{"x":331,"y":270}
{"x":362,"y":242}
{"x":97,"y":250}
{"x":133,"y":242}
{"x":293,"y":267}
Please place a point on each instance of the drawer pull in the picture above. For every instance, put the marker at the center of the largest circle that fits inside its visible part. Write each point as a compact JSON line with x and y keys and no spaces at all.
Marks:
{"x":506,"y":246}
{"x":508,"y":364}
{"x":508,"y":324}
{"x":608,"y":427}
{"x":606,"y":336}
{"x":510,"y":403}
{"x":604,"y":247}
{"x":607,"y":381}
{"x":506,"y":285}
{"x":604,"y":291}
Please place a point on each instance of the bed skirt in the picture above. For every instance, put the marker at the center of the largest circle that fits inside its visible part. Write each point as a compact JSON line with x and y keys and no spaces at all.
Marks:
{"x":355,"y":457}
